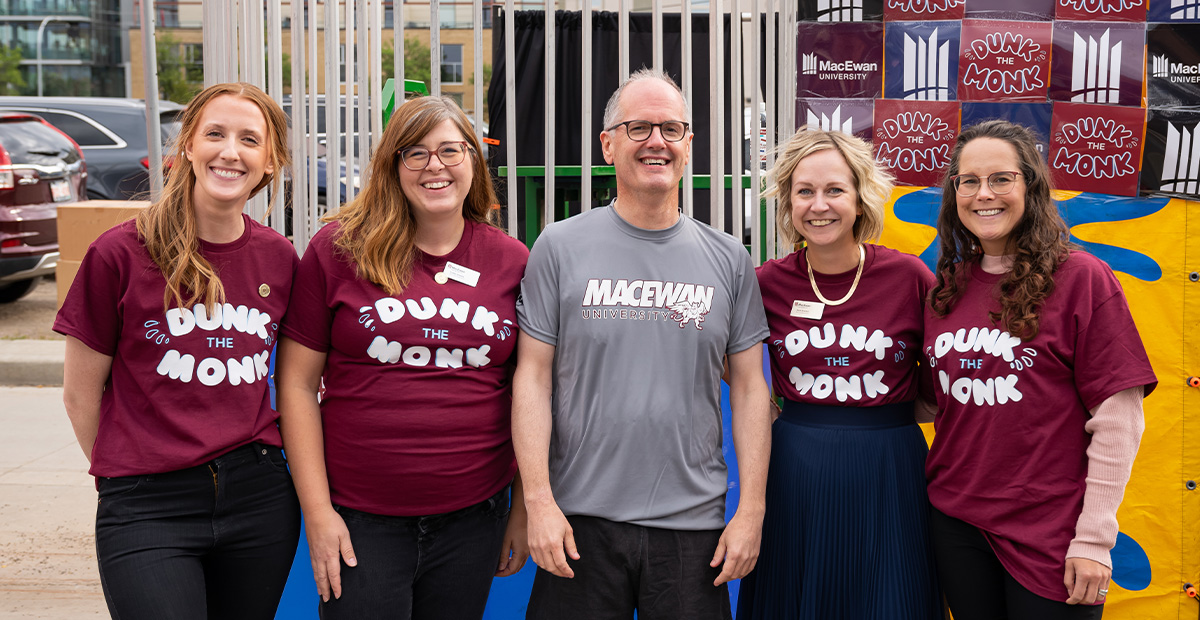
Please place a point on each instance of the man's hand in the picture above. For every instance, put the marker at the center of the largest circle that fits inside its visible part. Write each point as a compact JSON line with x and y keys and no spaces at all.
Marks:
{"x":1084,"y":580}
{"x":550,"y":535}
{"x":738,"y":547}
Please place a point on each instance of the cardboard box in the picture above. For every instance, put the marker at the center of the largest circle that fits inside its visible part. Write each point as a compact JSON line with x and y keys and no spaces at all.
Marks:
{"x":80,"y":223}
{"x":64,"y":275}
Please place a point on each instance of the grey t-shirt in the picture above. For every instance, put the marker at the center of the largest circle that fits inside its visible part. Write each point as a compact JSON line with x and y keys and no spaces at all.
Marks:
{"x":640,"y":320}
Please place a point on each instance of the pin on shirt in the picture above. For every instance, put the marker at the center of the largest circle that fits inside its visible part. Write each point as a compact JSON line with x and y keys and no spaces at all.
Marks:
{"x":458,"y":273}
{"x":264,"y":290}
{"x":808,"y":309}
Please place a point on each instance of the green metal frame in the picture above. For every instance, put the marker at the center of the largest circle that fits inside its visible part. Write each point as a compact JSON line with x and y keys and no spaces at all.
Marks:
{"x":389,"y":95}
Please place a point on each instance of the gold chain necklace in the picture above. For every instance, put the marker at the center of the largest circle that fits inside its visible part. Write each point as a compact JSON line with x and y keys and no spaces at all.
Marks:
{"x":862,"y":258}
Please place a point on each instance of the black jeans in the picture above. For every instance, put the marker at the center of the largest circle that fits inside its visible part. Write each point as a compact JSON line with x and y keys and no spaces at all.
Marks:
{"x":212,"y":541}
{"x":978,"y":587}
{"x":436,"y":567}
{"x":663,"y":574}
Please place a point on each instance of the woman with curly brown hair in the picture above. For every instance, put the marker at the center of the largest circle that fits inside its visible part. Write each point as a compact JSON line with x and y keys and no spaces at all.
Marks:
{"x":170,"y":324}
{"x":405,"y":314}
{"x":1039,"y":375}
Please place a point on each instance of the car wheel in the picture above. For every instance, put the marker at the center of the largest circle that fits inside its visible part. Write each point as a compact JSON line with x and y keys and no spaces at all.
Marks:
{"x":12,"y":292}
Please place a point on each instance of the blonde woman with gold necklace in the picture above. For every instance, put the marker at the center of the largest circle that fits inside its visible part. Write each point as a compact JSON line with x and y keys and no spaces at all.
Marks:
{"x":845,"y":533}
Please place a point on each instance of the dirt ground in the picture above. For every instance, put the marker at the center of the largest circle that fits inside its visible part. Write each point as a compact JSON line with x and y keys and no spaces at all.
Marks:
{"x":31,"y":317}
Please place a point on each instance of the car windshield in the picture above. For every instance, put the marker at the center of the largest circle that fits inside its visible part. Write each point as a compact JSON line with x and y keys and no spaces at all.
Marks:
{"x":31,"y":142}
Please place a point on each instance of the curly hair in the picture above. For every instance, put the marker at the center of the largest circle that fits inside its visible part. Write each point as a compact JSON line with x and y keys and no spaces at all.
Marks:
{"x":378,"y":229}
{"x":168,"y":227}
{"x":872,"y":182}
{"x":1040,"y":240}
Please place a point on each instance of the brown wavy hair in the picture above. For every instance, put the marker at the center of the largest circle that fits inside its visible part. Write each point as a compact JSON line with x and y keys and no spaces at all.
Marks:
{"x":168,"y":227}
{"x":378,"y":230}
{"x":1040,"y":241}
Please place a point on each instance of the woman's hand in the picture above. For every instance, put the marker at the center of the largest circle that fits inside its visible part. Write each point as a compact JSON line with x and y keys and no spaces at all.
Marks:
{"x":328,"y":544}
{"x":515,"y":550}
{"x":1086,"y":581}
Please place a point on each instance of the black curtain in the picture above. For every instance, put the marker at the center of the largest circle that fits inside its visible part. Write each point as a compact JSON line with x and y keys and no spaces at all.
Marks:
{"x":529,"y":54}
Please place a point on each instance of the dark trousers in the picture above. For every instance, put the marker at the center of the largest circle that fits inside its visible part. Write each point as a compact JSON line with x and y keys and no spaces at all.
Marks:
{"x":212,"y":541}
{"x":978,"y":587}
{"x":663,"y":574}
{"x":436,"y":567}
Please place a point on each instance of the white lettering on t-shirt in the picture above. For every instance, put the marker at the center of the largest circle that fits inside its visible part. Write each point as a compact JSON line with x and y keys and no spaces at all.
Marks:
{"x":212,"y":371}
{"x":825,"y":337}
{"x":391,"y":352}
{"x":990,"y":391}
{"x":843,"y":388}
{"x":247,"y":320}
{"x":991,"y":341}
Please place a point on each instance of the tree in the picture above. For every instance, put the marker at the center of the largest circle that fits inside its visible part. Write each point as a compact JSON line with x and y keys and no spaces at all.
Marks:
{"x":173,"y":83}
{"x":416,"y":61}
{"x":11,"y":80}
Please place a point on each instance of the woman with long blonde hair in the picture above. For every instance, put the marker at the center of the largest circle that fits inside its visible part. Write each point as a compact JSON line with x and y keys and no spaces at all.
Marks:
{"x":405,"y":312}
{"x":170,"y":323}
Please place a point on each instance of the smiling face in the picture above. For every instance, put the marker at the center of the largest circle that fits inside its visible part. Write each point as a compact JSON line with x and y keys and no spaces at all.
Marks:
{"x":824,"y":201}
{"x":439,"y":190}
{"x":229,"y":153}
{"x":654,"y":166}
{"x":989,"y":216}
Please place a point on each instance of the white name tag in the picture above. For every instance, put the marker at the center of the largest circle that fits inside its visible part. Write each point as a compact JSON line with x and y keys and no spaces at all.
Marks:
{"x":808,"y":309}
{"x":458,"y":273}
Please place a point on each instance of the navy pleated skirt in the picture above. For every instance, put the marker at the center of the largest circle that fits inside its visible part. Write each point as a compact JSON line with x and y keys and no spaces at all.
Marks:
{"x":846,"y":535}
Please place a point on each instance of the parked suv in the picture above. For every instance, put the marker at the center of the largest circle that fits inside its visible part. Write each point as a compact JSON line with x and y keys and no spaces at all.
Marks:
{"x":112,"y":134}
{"x":40,"y":167}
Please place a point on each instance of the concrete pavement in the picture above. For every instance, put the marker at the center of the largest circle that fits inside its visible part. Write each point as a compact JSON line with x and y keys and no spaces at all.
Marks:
{"x":47,"y":510}
{"x":31,"y":362}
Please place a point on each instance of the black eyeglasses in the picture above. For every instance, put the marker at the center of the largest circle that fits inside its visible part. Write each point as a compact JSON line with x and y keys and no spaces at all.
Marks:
{"x":416,"y":158}
{"x":639,"y":131}
{"x":1000,"y":183}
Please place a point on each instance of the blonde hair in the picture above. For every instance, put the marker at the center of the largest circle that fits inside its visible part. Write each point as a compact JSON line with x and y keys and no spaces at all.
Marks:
{"x":378,"y":230}
{"x":872,"y":182}
{"x":168,"y":227}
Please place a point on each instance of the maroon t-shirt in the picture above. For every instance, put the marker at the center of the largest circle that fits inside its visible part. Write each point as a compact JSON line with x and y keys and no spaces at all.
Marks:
{"x":1009,"y":455}
{"x":187,"y":385}
{"x":860,"y":353}
{"x":417,"y":404}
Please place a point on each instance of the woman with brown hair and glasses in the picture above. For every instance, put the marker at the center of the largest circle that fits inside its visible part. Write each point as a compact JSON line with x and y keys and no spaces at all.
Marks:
{"x":170,"y":325}
{"x":404,"y":313}
{"x":1039,"y":375}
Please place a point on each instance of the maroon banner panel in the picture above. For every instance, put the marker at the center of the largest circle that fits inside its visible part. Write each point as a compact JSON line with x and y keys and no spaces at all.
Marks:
{"x":1101,"y":10}
{"x":914,"y":138}
{"x":1173,"y":65}
{"x":922,"y":10}
{"x":1098,"y":62}
{"x":839,"y":59}
{"x":1096,"y":148}
{"x":1004,"y":60}
{"x":852,"y":116}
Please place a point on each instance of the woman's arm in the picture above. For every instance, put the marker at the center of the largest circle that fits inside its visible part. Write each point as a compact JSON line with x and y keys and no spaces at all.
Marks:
{"x":1116,"y":428}
{"x":298,"y":377}
{"x":85,"y":373}
{"x":515,"y":550}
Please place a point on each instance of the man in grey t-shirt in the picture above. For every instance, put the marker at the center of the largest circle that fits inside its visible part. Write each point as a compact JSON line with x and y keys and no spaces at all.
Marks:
{"x":627,"y":315}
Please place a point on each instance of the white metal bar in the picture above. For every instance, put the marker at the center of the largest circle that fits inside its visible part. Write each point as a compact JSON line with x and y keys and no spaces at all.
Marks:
{"x":737,"y":98}
{"x":686,"y":77}
{"x":656,"y":33}
{"x":297,"y":141}
{"x":309,"y":96}
{"x":333,"y":127}
{"x":376,"y":27}
{"x":352,"y":80}
{"x":214,"y":39}
{"x":365,"y":94}
{"x":398,"y":49}
{"x":773,"y":134}
{"x":510,"y":117}
{"x":585,"y":122}
{"x":623,"y":40}
{"x":274,"y":60}
{"x":435,"y":48}
{"x":477,"y":69}
{"x":153,"y":142}
{"x":756,"y":103}
{"x":716,"y":116}
{"x":550,"y":82}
